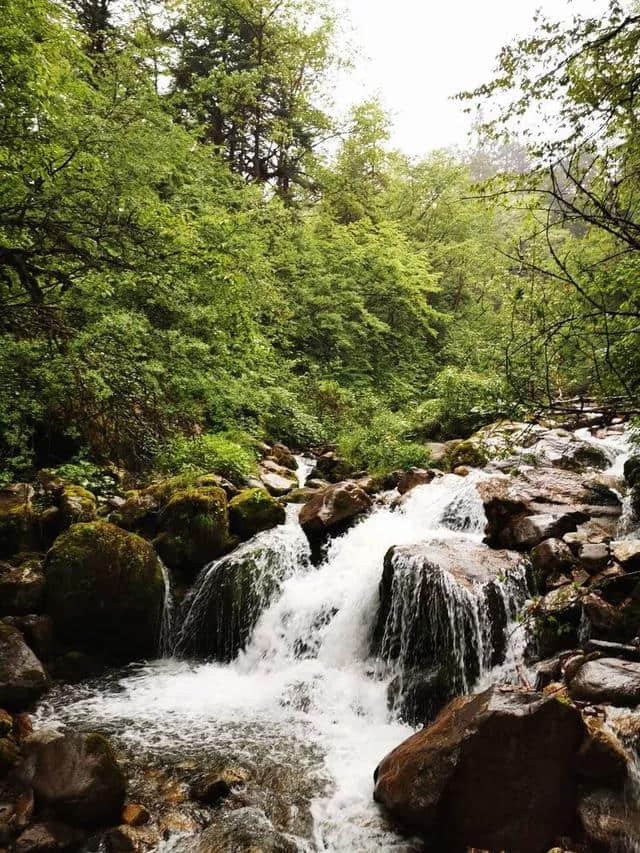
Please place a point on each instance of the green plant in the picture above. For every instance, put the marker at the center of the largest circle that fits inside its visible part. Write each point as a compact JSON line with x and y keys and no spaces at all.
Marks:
{"x":209,"y":453}
{"x":382,"y":445}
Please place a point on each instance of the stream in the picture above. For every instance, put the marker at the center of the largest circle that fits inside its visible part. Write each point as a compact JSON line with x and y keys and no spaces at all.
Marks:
{"x":305,"y":699}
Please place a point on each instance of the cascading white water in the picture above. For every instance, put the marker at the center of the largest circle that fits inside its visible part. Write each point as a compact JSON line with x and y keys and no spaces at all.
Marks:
{"x":305,"y":677}
{"x":305,"y":691}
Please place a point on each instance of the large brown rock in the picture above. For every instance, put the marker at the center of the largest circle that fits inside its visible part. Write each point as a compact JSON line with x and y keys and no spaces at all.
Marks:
{"x":608,"y":681}
{"x":415,"y":477}
{"x":22,"y":678}
{"x":495,"y":771}
{"x":76,"y":775}
{"x":332,"y":507}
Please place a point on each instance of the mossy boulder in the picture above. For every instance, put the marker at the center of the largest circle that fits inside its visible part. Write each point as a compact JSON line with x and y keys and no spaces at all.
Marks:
{"x":105,"y":590}
{"x":22,"y":678}
{"x":254,"y":510}
{"x":16,"y":518}
{"x":76,"y":505}
{"x":195,"y":528}
{"x":21,"y":588}
{"x":632,"y":470}
{"x":466,"y":453}
{"x":138,"y":513}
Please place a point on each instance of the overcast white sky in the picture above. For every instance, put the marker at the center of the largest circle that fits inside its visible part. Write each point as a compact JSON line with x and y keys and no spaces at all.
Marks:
{"x":417,"y":53}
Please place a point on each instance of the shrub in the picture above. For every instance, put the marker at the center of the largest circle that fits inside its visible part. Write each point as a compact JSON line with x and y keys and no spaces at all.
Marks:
{"x":382,"y":445}
{"x":460,"y":402}
{"x":209,"y":453}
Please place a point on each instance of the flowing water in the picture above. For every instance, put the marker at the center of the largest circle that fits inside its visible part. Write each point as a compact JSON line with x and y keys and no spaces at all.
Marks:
{"x":305,"y":694}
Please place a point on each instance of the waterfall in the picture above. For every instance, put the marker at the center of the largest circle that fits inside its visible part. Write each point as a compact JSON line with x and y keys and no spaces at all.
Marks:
{"x":230,"y":593}
{"x":165,"y":643}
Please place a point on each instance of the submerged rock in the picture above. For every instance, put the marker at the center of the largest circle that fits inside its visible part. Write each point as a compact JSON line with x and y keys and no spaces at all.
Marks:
{"x":495,"y":771}
{"x":76,"y":775}
{"x":246,"y":830}
{"x":254,"y":510}
{"x":227,"y":601}
{"x":22,"y":678}
{"x":105,"y":590}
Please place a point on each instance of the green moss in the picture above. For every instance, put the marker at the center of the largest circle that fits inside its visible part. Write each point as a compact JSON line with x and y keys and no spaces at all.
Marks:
{"x":466,"y":453}
{"x":254,"y":510}
{"x":16,"y":519}
{"x":195,"y":528}
{"x":105,"y":590}
{"x":77,"y":504}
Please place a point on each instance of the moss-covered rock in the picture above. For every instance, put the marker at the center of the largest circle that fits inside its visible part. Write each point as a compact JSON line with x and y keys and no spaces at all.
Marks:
{"x":632,"y":470}
{"x":22,"y":678}
{"x":254,"y":510}
{"x":138,"y":513}
{"x":195,"y":528}
{"x":9,"y":754}
{"x":105,"y":590}
{"x":466,"y":453}
{"x":21,"y":588}
{"x":16,"y":518}
{"x":76,"y":505}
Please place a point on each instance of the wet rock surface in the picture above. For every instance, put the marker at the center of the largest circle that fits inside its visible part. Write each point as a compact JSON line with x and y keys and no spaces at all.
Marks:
{"x":22,"y":677}
{"x":77,"y":775}
{"x":449,"y":782}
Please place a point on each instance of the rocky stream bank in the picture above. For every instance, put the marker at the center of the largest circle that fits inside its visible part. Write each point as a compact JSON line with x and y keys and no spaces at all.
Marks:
{"x":196,"y":665}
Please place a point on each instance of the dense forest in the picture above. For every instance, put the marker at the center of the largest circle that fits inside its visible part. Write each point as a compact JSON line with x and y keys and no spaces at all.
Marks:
{"x":197,"y":253}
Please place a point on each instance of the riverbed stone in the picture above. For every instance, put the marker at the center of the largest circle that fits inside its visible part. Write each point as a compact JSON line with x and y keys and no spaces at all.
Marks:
{"x":451,"y":785}
{"x":413,"y":477}
{"x":608,"y":820}
{"x":549,"y":557}
{"x":607,"y":681}
{"x":76,"y":775}
{"x":16,"y":518}
{"x":601,"y":757}
{"x":22,"y":677}
{"x":330,"y":508}
{"x":48,"y":837}
{"x":105,"y":591}
{"x":245,"y":830}
{"x":627,"y":553}
{"x":254,"y":510}
{"x":21,"y":588}
{"x":77,"y":504}
{"x":331,"y":467}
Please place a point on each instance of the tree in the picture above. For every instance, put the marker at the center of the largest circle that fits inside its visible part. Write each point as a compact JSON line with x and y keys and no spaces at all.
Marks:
{"x":249,"y":77}
{"x":575,"y":101}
